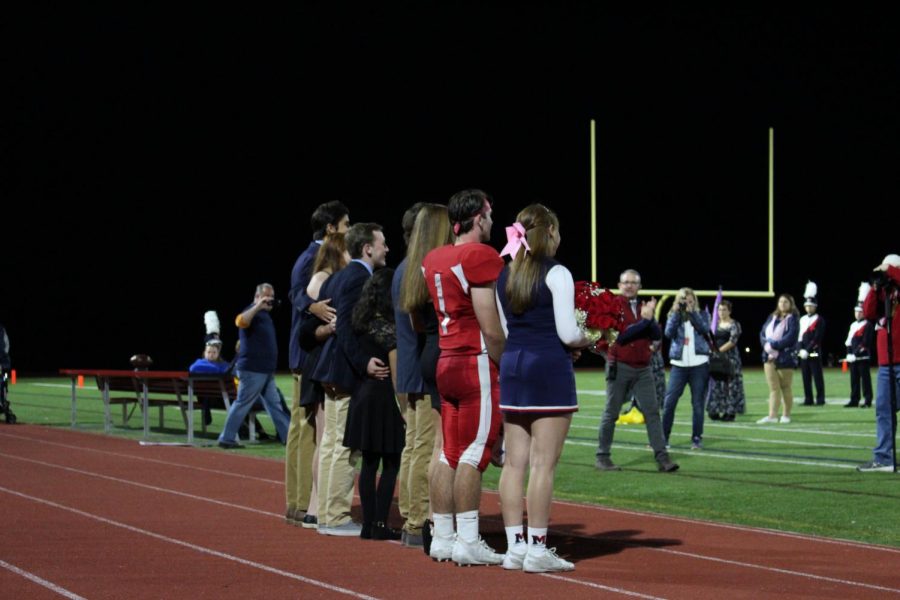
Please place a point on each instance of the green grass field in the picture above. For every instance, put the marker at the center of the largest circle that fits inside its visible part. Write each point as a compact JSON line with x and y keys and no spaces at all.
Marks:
{"x":798,"y":477}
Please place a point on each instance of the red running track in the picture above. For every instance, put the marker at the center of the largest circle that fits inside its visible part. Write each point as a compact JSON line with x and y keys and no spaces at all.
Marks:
{"x":91,"y":516}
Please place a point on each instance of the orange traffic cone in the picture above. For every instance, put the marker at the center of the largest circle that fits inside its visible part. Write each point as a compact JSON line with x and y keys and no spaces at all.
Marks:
{"x":13,"y":377}
{"x":844,"y":366}
{"x":81,"y":381}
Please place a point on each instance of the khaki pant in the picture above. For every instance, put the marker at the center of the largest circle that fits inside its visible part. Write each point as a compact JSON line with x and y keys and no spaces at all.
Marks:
{"x":298,"y":452}
{"x":779,"y":381}
{"x":336,"y":463}
{"x":413,"y":492}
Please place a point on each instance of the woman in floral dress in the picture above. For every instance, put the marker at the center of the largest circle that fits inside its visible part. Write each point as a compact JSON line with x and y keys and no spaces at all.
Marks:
{"x":726,"y":396}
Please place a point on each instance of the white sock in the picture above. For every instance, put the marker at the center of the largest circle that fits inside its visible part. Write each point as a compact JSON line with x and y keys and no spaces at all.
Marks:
{"x":537,"y":540}
{"x":443,"y":526}
{"x":467,"y":526}
{"x":514,"y":535}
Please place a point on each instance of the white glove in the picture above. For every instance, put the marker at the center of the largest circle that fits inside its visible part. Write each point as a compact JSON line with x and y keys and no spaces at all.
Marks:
{"x":803,"y":354}
{"x":851,"y":358}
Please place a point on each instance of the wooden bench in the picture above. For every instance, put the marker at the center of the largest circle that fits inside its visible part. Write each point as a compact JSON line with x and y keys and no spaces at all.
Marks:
{"x":216,"y":391}
{"x":168,"y":388}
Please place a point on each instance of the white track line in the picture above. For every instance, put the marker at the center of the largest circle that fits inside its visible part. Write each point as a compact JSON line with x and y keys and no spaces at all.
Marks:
{"x":598,"y":586}
{"x":195,"y":547}
{"x":581,"y":582}
{"x":775,"y":532}
{"x":47,"y":584}
{"x":731,"y":456}
{"x":150,"y":460}
{"x":142,"y":485}
{"x":744,"y":528}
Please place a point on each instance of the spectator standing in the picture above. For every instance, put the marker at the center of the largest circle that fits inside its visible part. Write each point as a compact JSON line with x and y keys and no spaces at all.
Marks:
{"x":726,"y":397}
{"x":778,"y":338}
{"x":688,"y":329}
{"x":879,"y":306}
{"x":628,"y":372}
{"x":256,"y":363}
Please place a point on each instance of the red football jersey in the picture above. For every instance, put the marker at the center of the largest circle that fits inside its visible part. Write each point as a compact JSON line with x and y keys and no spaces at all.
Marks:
{"x":450,"y":271}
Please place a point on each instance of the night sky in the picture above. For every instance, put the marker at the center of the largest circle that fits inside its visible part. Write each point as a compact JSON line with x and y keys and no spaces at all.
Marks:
{"x":157,"y":164}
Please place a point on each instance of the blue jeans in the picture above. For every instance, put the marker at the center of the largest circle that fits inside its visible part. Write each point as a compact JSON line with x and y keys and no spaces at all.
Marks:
{"x":884,"y":447}
{"x":254,"y":386}
{"x":696,"y":377}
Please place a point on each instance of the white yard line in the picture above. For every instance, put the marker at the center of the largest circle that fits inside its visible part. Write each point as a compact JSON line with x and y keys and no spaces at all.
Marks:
{"x":40,"y":581}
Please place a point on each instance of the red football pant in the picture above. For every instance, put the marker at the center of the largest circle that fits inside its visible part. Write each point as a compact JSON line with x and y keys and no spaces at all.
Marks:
{"x":470,"y":409}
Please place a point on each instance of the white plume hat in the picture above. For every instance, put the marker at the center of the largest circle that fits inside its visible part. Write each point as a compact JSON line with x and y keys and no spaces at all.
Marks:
{"x":810,"y":294}
{"x":212,"y":322}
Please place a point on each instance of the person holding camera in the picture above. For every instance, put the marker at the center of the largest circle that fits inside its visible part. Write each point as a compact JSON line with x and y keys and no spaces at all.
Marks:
{"x":688,"y":329}
{"x":859,"y":344}
{"x":812,"y":342}
{"x":879,"y":306}
{"x":256,"y":363}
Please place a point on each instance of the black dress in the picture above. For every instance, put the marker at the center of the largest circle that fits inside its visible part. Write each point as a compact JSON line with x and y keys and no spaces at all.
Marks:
{"x":374,"y":423}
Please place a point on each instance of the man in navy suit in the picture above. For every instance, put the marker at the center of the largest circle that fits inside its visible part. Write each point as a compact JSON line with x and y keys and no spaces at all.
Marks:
{"x":348,"y":366}
{"x":330,"y":217}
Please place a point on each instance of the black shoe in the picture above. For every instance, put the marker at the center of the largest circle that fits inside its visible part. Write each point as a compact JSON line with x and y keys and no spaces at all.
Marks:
{"x":426,"y":537}
{"x":380,"y":531}
{"x":230,"y":445}
{"x":666,"y":465}
{"x":866,"y":405}
{"x":716,"y":417}
{"x":851,"y":405}
{"x":366,"y":531}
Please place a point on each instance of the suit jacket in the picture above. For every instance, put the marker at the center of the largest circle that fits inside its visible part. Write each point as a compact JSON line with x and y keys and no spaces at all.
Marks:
{"x":348,"y":362}
{"x":300,"y":301}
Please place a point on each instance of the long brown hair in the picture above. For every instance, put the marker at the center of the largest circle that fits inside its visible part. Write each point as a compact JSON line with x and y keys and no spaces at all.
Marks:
{"x":431,"y":230}
{"x":793,"y":310}
{"x":527,"y":266}
{"x":330,"y":256}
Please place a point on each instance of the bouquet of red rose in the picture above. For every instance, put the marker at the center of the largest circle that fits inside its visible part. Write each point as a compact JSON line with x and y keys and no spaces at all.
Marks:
{"x":598,"y":315}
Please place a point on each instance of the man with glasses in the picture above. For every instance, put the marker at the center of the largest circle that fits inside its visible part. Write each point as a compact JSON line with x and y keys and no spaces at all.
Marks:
{"x":628,"y":372}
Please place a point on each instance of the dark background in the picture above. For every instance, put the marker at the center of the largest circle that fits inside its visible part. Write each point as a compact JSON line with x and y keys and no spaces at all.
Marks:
{"x":158,"y":163}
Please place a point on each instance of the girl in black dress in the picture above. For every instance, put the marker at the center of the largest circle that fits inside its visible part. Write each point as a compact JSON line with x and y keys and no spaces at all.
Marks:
{"x":374,"y":423}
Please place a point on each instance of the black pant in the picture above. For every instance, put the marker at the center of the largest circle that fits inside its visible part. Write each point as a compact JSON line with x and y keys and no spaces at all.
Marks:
{"x":859,"y":371}
{"x":811,"y":368}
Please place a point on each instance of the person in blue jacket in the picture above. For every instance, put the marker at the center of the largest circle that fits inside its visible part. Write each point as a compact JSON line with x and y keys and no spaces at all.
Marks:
{"x":688,"y":329}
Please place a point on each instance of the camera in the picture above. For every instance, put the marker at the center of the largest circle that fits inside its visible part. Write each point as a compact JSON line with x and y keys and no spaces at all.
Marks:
{"x":682,"y":306}
{"x":880,"y":280}
{"x":273,"y":303}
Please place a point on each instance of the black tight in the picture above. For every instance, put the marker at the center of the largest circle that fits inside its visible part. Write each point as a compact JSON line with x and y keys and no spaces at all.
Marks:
{"x":377,"y":505}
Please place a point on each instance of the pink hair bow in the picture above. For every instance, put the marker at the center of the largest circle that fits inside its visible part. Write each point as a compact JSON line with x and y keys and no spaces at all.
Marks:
{"x":515,"y":239}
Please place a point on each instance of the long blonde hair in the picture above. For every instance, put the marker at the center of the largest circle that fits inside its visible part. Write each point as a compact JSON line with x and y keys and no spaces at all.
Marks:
{"x":528,"y":266}
{"x":431,"y":230}
{"x":682,"y":292}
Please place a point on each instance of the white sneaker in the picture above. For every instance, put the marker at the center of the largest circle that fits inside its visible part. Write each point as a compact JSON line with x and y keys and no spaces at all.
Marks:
{"x":784,"y":419}
{"x":477,"y":553}
{"x":442,"y":548}
{"x":767,"y":419}
{"x":545,"y":562}
{"x":515,"y":556}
